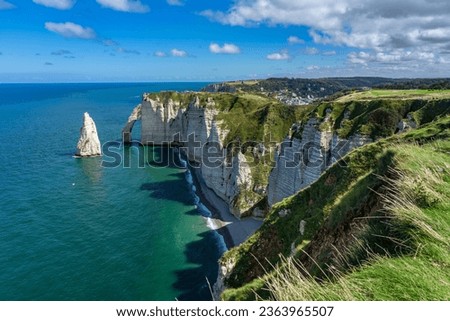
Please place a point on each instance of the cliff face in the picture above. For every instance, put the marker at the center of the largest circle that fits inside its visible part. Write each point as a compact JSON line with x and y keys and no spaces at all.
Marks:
{"x":300,"y":161}
{"x":135,"y":116}
{"x":244,"y":177}
{"x":88,"y":144}
{"x":194,"y":126}
{"x":160,"y":120}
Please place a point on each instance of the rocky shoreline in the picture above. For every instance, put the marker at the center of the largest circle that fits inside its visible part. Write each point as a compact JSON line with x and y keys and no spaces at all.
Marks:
{"x":234,"y":231}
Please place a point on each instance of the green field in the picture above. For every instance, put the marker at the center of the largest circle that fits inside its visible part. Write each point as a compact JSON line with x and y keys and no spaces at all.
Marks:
{"x":396,"y":94}
{"x":243,"y":82}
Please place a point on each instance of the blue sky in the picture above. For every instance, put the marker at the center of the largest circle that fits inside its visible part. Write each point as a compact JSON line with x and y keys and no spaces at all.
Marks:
{"x":198,"y":40}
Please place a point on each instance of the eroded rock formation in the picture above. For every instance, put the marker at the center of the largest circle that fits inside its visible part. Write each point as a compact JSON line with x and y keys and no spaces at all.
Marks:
{"x":88,"y":144}
{"x":135,"y":116}
{"x":301,"y":161}
{"x":194,"y":127}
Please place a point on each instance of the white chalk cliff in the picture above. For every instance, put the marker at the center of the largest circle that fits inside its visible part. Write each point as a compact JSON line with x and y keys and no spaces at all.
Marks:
{"x":169,"y":121}
{"x":301,"y":161}
{"x":194,"y":124}
{"x":135,"y":116}
{"x":88,"y":144}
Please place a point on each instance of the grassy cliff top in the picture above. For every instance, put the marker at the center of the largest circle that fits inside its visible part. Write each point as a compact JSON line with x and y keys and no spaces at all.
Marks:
{"x":379,"y":117}
{"x":375,"y":113}
{"x":246,"y":116}
{"x":425,"y":94}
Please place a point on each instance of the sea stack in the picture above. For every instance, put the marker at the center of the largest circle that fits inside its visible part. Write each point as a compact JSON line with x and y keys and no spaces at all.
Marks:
{"x":88,"y":144}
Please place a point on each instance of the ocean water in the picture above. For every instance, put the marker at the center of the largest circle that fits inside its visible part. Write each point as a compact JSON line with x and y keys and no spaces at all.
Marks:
{"x":72,"y":229}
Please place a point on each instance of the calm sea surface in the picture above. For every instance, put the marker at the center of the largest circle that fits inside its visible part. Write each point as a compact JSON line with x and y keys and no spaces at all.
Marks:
{"x":71,"y":229}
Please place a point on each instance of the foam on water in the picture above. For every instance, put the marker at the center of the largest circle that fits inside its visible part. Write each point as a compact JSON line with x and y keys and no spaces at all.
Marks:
{"x":210,"y":222}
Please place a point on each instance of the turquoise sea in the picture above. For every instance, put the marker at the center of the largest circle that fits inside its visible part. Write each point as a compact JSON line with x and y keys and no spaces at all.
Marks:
{"x":71,"y":229}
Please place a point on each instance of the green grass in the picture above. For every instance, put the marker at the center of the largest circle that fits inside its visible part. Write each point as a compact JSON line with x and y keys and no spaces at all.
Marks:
{"x":277,"y":234}
{"x":396,"y":94}
{"x":243,"y":82}
{"x":376,"y":118}
{"x":252,"y":290}
{"x":439,"y":129}
{"x":388,"y":279}
{"x":418,"y":205}
{"x":377,"y":229}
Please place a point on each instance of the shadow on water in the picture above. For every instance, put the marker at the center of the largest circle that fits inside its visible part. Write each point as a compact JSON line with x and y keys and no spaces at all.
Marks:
{"x":202,"y":254}
{"x":165,"y":190}
{"x":192,"y":213}
{"x":192,"y":282}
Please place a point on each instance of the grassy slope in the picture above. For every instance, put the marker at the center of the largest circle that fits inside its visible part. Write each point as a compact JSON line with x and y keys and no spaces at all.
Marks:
{"x":396,"y":94}
{"x":353,"y":246}
{"x":416,"y":265}
{"x":379,"y":117}
{"x":326,"y":87}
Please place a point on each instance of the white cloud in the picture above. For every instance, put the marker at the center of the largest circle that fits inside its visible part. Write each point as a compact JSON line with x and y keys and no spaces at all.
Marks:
{"x":311,"y":51}
{"x":125,"y":5}
{"x":293,"y":40}
{"x":416,"y":26}
{"x":174,"y":53}
{"x":175,"y":2}
{"x":227,"y":48}
{"x":278,"y":56}
{"x":70,"y":30}
{"x":396,"y":57}
{"x":178,"y":53}
{"x":5,"y":5}
{"x":313,"y":67}
{"x":285,"y":12}
{"x":329,"y":53}
{"x":359,"y":57}
{"x":159,"y":54}
{"x":57,"y":4}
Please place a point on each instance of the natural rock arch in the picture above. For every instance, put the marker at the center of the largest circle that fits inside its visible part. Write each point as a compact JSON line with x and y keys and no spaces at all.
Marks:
{"x":136,"y":115}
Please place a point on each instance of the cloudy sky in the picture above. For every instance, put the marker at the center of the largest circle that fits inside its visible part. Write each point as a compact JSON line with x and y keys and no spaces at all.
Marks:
{"x":211,"y":40}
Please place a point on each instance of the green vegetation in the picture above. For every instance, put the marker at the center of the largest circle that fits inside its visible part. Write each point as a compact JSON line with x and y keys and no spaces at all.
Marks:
{"x":416,"y":205}
{"x":396,"y":94}
{"x":379,"y":117}
{"x":377,"y":228}
{"x":252,"y":119}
